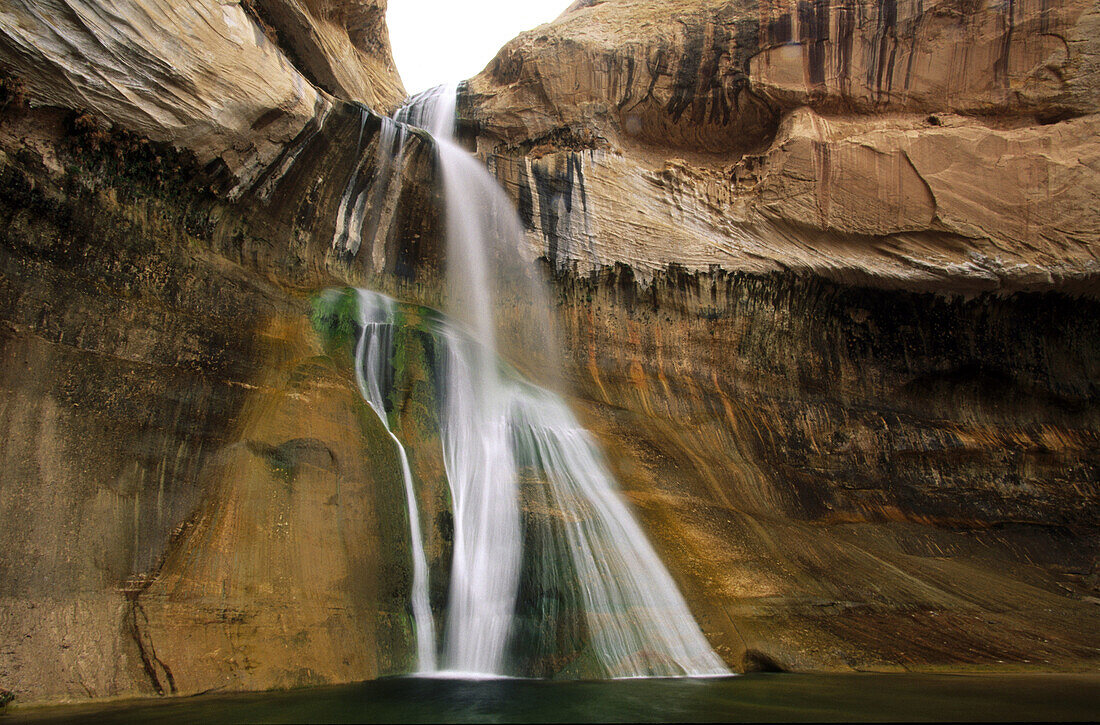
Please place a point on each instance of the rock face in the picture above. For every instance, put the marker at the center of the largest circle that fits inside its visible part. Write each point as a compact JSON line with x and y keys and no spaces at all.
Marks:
{"x":342,"y":46}
{"x":821,"y":271}
{"x":932,"y":146}
{"x":216,"y":78}
{"x":845,"y":477}
{"x":717,"y":75}
{"x":826,"y":280}
{"x":177,"y":442}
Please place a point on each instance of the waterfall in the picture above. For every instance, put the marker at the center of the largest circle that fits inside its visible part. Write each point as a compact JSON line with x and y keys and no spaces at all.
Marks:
{"x":639,"y":623}
{"x":493,"y":424}
{"x":481,"y":472}
{"x":366,"y":192}
{"x":433,"y":110}
{"x":373,"y":355}
{"x":477,"y":448}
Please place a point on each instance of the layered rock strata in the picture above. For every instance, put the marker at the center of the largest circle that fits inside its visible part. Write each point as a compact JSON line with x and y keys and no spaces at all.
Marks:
{"x":824,"y":273}
{"x":193,"y":495}
{"x":936,"y":146}
{"x":342,"y":46}
{"x":216,"y":78}
{"x":844,"y":477}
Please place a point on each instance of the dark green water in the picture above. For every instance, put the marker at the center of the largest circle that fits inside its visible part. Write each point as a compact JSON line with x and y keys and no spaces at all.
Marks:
{"x":750,"y":698}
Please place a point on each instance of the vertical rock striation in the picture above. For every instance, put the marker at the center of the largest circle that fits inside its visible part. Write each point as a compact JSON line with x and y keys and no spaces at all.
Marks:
{"x":175,"y":439}
{"x":826,"y":274}
{"x":938,"y":146}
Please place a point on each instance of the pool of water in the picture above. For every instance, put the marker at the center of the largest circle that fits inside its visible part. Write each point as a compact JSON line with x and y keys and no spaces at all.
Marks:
{"x":759,"y":697}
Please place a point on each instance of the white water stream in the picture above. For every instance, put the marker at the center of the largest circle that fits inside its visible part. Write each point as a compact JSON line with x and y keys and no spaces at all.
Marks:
{"x":638,"y":623}
{"x":368,"y":193}
{"x":373,"y":356}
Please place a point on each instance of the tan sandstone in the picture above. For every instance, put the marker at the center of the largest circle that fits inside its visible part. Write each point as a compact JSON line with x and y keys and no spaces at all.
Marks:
{"x":821,"y":139}
{"x":214,"y":77}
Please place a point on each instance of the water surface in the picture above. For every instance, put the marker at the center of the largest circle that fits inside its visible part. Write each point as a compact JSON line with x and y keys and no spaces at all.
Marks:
{"x":751,"y":698}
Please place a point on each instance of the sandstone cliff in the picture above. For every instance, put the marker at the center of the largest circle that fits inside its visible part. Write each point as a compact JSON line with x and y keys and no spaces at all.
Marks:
{"x":790,"y":242}
{"x":157,"y":357}
{"x":933,"y":145}
{"x":758,"y":219}
{"x":342,"y":46}
{"x":229,"y":81}
{"x":167,"y":408}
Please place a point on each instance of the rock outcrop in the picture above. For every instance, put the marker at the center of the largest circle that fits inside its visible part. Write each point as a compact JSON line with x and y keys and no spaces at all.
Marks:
{"x":342,"y":46}
{"x":227,"y":80}
{"x":716,"y":75}
{"x":929,"y":146}
{"x":193,"y":495}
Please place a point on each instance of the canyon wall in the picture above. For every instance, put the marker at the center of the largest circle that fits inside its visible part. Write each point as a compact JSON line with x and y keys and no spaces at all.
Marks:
{"x":826,"y":283}
{"x":943,"y":146}
{"x":162,"y":386}
{"x":847,"y":477}
{"x":192,"y":496}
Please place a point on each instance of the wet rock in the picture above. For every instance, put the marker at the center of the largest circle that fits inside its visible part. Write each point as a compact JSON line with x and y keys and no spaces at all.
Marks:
{"x":754,"y":661}
{"x":158,"y":365}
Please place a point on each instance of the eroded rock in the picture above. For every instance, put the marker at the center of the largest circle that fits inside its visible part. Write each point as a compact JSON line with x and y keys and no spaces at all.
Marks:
{"x":342,"y":46}
{"x":799,"y":243}
{"x":815,"y":139}
{"x":227,"y":80}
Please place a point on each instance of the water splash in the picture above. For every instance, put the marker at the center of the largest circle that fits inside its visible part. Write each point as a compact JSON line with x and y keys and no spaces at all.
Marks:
{"x":432,"y":110}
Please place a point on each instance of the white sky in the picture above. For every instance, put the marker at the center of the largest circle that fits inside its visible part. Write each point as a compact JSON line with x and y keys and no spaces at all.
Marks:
{"x":439,"y":41}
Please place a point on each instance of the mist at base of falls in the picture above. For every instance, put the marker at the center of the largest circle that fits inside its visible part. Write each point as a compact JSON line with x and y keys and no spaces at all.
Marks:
{"x":548,"y":574}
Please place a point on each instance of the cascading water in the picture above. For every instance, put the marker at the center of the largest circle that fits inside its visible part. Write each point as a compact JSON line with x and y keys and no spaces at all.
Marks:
{"x":373,"y":356}
{"x":367,"y":193}
{"x":476,"y":439}
{"x":493,"y":424}
{"x":637,"y":619}
{"x":481,"y":471}
{"x":433,"y":110}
